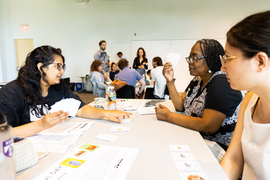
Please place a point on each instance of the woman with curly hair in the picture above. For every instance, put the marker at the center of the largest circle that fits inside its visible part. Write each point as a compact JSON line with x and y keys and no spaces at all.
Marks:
{"x":27,"y":100}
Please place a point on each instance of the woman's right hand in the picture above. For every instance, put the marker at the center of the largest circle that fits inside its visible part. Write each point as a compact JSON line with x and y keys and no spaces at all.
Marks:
{"x":168,"y":72}
{"x":52,"y":119}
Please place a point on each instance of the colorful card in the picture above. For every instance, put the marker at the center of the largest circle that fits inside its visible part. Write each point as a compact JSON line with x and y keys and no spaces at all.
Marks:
{"x":89,"y":147}
{"x":71,"y":162}
{"x":193,"y":176}
{"x":179,"y":147}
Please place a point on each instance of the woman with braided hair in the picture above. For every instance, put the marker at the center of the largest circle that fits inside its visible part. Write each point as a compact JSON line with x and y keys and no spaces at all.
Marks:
{"x":209,"y":104}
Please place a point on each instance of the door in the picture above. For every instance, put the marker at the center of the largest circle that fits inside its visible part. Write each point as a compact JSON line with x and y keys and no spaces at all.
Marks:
{"x":23,"y":47}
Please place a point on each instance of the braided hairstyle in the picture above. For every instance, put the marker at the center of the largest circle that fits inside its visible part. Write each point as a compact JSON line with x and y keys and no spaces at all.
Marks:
{"x":211,"y":49}
{"x":29,"y":77}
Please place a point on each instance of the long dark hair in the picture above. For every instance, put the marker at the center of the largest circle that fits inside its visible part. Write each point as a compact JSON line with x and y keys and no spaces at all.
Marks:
{"x":211,"y":49}
{"x":251,"y":35}
{"x":144,"y":54}
{"x":29,"y":77}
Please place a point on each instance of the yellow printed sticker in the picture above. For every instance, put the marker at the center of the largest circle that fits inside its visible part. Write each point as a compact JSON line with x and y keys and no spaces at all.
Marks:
{"x":71,"y":162}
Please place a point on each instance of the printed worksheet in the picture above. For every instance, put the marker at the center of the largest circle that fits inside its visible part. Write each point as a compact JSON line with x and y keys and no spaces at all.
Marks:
{"x":60,"y":137}
{"x":92,"y":161}
{"x":68,"y":128}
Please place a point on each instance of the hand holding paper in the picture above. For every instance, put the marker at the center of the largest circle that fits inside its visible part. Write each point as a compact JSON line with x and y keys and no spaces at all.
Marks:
{"x":67,"y":105}
{"x":173,"y":58}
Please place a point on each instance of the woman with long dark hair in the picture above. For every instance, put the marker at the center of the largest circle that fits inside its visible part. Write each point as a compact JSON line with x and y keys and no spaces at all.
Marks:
{"x":209,"y":104}
{"x":247,"y":65}
{"x":140,"y":63}
{"x":27,"y":100}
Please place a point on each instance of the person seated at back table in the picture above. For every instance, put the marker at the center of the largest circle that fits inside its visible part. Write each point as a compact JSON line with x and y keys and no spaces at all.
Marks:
{"x":39,"y":86}
{"x":113,"y":71}
{"x":97,"y":78}
{"x":130,"y":76}
{"x":158,"y":78}
{"x":209,"y":104}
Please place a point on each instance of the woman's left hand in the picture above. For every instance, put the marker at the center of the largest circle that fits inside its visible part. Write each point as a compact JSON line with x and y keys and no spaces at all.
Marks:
{"x":115,"y":115}
{"x":162,"y":112}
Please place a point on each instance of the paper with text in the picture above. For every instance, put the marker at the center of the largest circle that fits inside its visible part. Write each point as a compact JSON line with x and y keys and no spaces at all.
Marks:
{"x":92,"y":161}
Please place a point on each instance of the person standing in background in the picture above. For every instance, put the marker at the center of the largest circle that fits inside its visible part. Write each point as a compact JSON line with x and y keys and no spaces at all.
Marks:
{"x":158,"y":78}
{"x":121,"y":56}
{"x":102,"y":56}
{"x":140,"y":63}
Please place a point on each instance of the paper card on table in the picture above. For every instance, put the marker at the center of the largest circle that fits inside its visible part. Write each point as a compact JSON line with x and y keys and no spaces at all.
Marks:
{"x":106,"y":137}
{"x":179,"y":147}
{"x":183,"y":156}
{"x":126,"y":120}
{"x":147,"y":110}
{"x":193,"y":176}
{"x":188,"y":166}
{"x":119,"y":129}
{"x":88,"y":147}
{"x":173,"y":58}
{"x":71,"y":162}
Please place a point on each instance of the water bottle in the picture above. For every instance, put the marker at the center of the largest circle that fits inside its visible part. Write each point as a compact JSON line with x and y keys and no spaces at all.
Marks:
{"x":7,"y":167}
{"x":111,"y":98}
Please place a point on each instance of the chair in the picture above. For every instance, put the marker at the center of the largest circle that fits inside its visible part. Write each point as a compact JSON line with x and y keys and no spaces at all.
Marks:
{"x":149,"y":93}
{"x":67,"y":82}
{"x":126,"y":91}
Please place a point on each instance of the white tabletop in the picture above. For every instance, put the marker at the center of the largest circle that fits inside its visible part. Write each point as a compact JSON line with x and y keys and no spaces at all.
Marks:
{"x":152,"y":137}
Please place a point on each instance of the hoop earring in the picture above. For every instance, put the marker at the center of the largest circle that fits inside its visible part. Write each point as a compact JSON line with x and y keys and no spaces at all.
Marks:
{"x":209,"y":71}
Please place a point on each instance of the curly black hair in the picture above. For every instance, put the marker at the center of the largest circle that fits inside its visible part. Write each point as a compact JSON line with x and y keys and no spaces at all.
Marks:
{"x":29,"y":77}
{"x":211,"y":49}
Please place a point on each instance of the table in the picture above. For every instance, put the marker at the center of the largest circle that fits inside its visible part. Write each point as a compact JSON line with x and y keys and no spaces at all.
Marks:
{"x":152,"y":137}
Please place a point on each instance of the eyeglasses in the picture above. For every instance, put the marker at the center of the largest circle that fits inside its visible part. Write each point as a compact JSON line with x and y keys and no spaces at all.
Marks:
{"x":225,"y":58}
{"x":194,"y":59}
{"x":60,"y":66}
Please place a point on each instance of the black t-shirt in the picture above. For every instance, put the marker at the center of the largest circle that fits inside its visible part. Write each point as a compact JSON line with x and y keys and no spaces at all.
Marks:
{"x":137,"y":63}
{"x":14,"y":106}
{"x":217,"y":95}
{"x":112,"y":74}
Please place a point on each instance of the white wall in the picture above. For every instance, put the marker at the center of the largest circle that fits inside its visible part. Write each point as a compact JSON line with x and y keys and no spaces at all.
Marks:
{"x":78,"y":27}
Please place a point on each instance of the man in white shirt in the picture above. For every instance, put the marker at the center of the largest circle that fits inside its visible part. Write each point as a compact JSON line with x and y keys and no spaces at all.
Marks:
{"x":158,"y":78}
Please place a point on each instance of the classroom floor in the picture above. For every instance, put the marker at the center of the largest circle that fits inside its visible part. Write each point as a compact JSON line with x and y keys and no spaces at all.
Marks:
{"x":86,"y":97}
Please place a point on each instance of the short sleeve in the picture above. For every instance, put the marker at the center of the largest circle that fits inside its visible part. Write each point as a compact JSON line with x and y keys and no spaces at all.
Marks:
{"x":96,"y":56}
{"x":13,"y":105}
{"x":221,"y":97}
{"x":153,"y":75}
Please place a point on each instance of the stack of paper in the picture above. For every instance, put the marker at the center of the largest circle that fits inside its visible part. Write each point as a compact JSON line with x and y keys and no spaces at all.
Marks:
{"x":60,"y":137}
{"x":71,"y":105}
